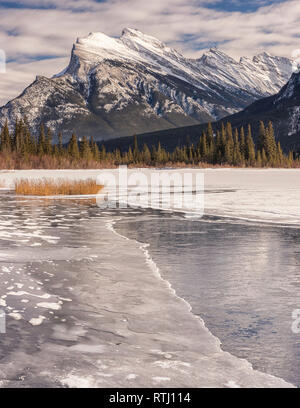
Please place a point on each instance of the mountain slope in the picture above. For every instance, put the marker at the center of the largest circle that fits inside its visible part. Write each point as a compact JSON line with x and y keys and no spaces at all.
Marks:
{"x":283,"y":109}
{"x":134,"y":84}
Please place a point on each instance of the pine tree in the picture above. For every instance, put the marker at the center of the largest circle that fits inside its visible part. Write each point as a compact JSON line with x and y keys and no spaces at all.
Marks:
{"x":261,"y":136}
{"x":48,"y":143}
{"x":258,"y":159}
{"x":26,"y":143}
{"x":96,"y":152}
{"x":264,"y":158}
{"x":85,"y":151}
{"x":270,"y":144}
{"x":136,"y":152}
{"x":130,"y":156}
{"x":203,"y":146}
{"x":30,"y":143}
{"x":117,"y":157}
{"x":16,"y":140}
{"x":243,"y":143}
{"x":250,"y":148}
{"x":223,"y":143}
{"x":280,"y":156}
{"x":56,"y":151}
{"x":5,"y":139}
{"x":229,"y":146}
{"x":218,"y":147}
{"x":60,"y":144}
{"x":237,"y":157}
{"x":103,"y":155}
{"x":159,"y":154}
{"x":73,"y":149}
{"x":146,"y":154}
{"x":290,"y":159}
{"x":191,"y":154}
{"x":210,"y":134}
{"x":41,"y":140}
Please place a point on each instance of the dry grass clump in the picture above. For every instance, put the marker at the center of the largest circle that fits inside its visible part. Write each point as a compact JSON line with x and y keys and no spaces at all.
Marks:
{"x":51,"y":187}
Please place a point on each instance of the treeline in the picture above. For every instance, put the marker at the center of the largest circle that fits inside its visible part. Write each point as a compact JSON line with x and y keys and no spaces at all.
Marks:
{"x":225,"y":147}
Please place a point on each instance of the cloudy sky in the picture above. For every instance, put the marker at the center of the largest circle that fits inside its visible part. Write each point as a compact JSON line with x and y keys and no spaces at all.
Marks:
{"x":37,"y":35}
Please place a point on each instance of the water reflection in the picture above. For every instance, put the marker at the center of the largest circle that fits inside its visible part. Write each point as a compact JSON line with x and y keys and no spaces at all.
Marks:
{"x":242,"y":280}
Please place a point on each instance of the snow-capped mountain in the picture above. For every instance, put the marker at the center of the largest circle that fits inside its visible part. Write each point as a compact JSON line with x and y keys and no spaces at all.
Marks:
{"x":283,"y":109}
{"x":135,"y":83}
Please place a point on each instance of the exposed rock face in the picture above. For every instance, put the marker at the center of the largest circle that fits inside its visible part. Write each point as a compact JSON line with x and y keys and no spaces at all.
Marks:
{"x":135,"y":84}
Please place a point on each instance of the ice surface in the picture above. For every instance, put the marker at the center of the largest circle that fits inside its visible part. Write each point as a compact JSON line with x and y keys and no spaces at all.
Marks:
{"x":271,"y":195}
{"x":125,"y":323}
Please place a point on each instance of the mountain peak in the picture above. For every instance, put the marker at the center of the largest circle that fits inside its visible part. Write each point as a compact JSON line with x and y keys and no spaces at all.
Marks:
{"x":215,"y":50}
{"x":109,"y":80}
{"x":134,"y":32}
{"x":132,"y":35}
{"x":215,"y":54}
{"x":97,"y":40}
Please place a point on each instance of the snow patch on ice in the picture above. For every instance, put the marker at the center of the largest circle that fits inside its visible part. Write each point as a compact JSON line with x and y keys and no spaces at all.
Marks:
{"x":15,"y":315}
{"x":48,"y":305}
{"x":37,"y":321}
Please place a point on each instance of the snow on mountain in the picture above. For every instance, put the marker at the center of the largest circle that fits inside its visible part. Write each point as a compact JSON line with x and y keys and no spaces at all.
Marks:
{"x":135,"y":83}
{"x":262,"y":75}
{"x":283,"y":109}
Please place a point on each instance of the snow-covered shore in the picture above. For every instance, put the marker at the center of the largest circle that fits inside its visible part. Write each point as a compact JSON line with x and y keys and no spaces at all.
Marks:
{"x":270,"y":195}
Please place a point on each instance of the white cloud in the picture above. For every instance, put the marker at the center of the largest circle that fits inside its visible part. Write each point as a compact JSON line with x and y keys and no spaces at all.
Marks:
{"x":18,"y":76}
{"x":185,"y":25}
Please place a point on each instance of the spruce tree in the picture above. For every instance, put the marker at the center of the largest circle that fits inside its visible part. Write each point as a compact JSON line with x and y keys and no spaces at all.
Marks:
{"x":146,"y":155}
{"x":290,"y":159}
{"x":103,"y":155}
{"x":218,"y":148}
{"x":258,"y":159}
{"x":264,"y":158}
{"x":250,"y":148}
{"x":48,"y":143}
{"x":261,"y":136}
{"x":130,"y":156}
{"x":85,"y":151}
{"x":60,"y":144}
{"x":41,"y":140}
{"x":56,"y":151}
{"x":237,"y":157}
{"x":242,"y":142}
{"x":210,"y":134}
{"x":229,"y":146}
{"x":136,"y":152}
{"x":270,"y":144}
{"x":5,"y":139}
{"x":73,"y":149}
{"x":204,"y":147}
{"x":96,"y":152}
{"x":280,"y":156}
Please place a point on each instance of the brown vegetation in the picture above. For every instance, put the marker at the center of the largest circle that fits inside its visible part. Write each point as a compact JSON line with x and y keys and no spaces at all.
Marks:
{"x":51,"y":187}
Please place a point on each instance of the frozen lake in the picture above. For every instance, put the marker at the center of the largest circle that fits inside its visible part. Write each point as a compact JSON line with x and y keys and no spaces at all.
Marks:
{"x":242,"y":279}
{"x":88,"y":307}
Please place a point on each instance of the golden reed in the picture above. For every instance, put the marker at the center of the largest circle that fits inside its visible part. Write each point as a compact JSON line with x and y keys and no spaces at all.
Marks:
{"x":51,"y":187}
